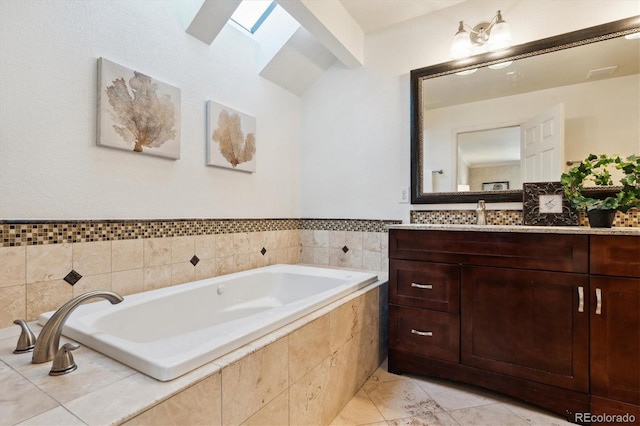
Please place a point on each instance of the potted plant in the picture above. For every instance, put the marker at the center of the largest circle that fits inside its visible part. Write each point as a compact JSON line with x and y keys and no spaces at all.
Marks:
{"x":601,"y":205}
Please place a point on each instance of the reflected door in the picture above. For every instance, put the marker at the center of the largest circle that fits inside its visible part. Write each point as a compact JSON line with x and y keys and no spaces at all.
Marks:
{"x":542,"y":146}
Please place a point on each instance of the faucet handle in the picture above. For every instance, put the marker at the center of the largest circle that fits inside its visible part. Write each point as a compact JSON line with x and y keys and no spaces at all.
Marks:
{"x":27,"y":340}
{"x":63,"y":362}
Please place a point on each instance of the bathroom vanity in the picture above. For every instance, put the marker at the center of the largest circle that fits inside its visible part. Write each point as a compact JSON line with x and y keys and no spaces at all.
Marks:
{"x":549,"y":315}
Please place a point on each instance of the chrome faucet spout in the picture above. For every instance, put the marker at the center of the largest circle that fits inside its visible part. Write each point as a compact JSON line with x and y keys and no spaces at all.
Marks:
{"x":48,"y":340}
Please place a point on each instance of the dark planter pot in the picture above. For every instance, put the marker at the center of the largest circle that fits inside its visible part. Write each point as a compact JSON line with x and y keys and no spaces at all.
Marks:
{"x":601,"y":218}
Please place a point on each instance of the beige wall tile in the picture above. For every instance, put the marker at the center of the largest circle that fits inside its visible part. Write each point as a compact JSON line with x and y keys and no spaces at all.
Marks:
{"x":13,"y":304}
{"x":256,"y":260}
{"x":346,"y":321}
{"x":157,"y":251}
{"x":306,"y":255}
{"x":308,"y":347}
{"x":14,"y":266}
{"x":306,"y":238}
{"x":274,"y":413}
{"x":224,"y":265}
{"x":205,"y":268}
{"x":92,"y":282}
{"x":127,"y":254}
{"x":337,"y":239}
{"x":253,"y":382}
{"x":157,"y":277}
{"x":242,"y":262}
{"x":47,"y":296}
{"x":48,"y":262}
{"x":271,"y":240}
{"x":241,"y":243}
{"x":354,"y":240}
{"x":320,"y":238}
{"x":224,"y":245}
{"x":199,"y":404}
{"x":320,"y":256}
{"x":307,"y":397}
{"x":371,"y":241}
{"x":371,"y":260}
{"x":127,"y":282}
{"x":92,"y":258}
{"x":206,"y":246}
{"x":256,"y":241}
{"x":350,"y":259}
{"x":182,"y":248}
{"x":182,"y":273}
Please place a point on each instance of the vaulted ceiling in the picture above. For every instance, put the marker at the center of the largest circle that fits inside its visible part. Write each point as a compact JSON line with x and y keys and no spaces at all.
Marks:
{"x":303,"y":38}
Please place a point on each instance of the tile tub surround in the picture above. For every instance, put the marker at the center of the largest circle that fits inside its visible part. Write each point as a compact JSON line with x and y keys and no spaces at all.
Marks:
{"x":630,"y":219}
{"x":133,"y":256}
{"x":303,"y":373}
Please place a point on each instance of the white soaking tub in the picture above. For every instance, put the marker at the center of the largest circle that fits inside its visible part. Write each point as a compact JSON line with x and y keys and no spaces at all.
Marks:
{"x":168,"y":332}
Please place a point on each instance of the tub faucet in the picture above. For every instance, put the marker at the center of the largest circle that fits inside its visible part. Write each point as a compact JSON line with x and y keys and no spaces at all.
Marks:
{"x":481,"y":213}
{"x":48,"y":340}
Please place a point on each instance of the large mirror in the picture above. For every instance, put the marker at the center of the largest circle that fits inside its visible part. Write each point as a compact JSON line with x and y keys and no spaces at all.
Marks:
{"x":474,"y":122}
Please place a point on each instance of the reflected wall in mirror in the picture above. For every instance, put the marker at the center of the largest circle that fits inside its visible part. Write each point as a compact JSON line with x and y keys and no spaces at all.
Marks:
{"x":581,"y":88}
{"x":489,"y":155}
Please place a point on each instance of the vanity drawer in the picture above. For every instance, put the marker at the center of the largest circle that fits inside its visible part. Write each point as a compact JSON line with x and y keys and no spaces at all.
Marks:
{"x":424,"y":332}
{"x":425,"y":285}
{"x":548,"y":252}
{"x":615,"y":255}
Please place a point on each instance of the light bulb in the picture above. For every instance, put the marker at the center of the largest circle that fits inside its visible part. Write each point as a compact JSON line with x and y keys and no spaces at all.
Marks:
{"x":461,"y":47}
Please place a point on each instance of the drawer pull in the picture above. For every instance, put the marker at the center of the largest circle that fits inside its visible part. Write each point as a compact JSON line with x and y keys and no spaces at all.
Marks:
{"x":421,"y":333}
{"x":598,"y":301}
{"x":424,"y":286}
{"x":580,"y":299}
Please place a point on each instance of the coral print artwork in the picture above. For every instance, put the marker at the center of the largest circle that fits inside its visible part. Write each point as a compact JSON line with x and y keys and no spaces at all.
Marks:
{"x":231,"y":138}
{"x":136,"y":112}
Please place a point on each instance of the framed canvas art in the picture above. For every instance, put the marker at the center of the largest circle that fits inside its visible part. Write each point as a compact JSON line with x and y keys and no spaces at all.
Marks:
{"x":231,"y":138}
{"x":136,"y":112}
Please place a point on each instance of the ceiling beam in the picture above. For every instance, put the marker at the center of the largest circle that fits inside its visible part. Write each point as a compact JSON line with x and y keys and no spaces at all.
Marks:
{"x":332,"y":25}
{"x":210,"y":19}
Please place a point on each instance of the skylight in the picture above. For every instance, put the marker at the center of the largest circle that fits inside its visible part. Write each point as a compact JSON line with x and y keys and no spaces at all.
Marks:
{"x":250,"y":14}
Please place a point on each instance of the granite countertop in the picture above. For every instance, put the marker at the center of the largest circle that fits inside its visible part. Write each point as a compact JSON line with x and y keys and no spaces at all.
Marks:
{"x":584,"y":230}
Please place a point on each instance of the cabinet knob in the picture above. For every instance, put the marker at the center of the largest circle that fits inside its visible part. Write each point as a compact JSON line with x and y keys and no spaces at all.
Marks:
{"x":421,"y":333}
{"x":424,"y":286}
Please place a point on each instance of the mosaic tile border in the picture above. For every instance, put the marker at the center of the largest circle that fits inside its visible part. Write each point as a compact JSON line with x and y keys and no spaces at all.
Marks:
{"x":39,"y":232}
{"x":631,"y":219}
{"x":19,"y":233}
{"x":465,"y":217}
{"x":357,"y":225}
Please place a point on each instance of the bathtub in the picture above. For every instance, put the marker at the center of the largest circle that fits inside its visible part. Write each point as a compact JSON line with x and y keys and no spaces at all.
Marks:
{"x":168,"y":332}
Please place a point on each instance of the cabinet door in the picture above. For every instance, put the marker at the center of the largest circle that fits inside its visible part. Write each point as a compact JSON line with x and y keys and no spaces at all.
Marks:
{"x":615,"y":338}
{"x":528,"y":324}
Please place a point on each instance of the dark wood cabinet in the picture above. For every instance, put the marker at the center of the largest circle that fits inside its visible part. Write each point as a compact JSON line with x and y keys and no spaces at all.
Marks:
{"x":526,"y":324}
{"x":615,"y":330}
{"x":553,"y":319}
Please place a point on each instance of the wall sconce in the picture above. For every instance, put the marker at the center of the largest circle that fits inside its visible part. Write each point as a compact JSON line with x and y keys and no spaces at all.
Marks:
{"x":495,"y":35}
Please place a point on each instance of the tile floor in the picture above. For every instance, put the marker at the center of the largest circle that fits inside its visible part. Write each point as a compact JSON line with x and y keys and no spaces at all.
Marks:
{"x":389,"y":399}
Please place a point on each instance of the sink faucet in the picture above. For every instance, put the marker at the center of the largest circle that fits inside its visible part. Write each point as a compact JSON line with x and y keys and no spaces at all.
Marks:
{"x":481,"y":213}
{"x":48,"y":340}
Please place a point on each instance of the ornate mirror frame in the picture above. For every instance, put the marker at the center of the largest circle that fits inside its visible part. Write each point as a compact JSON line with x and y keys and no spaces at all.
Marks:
{"x":539,"y":47}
